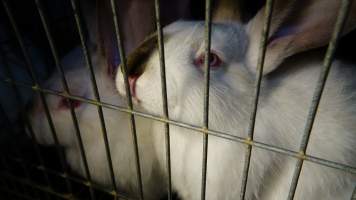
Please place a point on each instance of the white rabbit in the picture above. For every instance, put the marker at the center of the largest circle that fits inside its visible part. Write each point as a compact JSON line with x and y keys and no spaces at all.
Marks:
{"x":286,"y":93}
{"x":117,"y":126}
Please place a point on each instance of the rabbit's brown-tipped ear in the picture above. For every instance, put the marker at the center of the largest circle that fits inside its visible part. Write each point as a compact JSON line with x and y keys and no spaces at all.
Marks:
{"x":135,"y":62}
{"x":296,"y":26}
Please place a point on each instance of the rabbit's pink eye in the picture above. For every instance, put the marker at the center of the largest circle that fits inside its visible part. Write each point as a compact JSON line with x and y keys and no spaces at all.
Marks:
{"x":65,"y":104}
{"x":215,"y":61}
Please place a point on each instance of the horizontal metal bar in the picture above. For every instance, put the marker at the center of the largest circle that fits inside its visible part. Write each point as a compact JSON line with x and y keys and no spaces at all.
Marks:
{"x":113,"y":193}
{"x":324,"y":162}
{"x":329,"y":56}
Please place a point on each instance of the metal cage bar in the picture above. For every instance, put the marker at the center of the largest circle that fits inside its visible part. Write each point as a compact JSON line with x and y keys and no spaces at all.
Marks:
{"x":95,"y":91}
{"x":4,"y":162}
{"x":164,"y":94}
{"x":35,"y":145}
{"x":251,"y":125}
{"x":128,"y":95}
{"x":341,"y":19}
{"x":66,"y":89}
{"x":29,"y":66}
{"x":69,"y":177}
{"x":207,"y":42}
{"x":20,"y":103}
{"x":242,"y":140}
{"x":34,"y":186}
{"x":301,"y":155}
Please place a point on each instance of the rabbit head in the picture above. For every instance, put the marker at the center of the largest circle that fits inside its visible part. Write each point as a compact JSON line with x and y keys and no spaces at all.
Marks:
{"x":79,"y":83}
{"x":116,"y":123}
{"x":185,"y":69}
{"x":233,"y":58}
{"x":295,"y":28}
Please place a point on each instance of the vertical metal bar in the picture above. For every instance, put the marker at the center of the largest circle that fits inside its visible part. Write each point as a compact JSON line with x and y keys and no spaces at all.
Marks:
{"x":251,"y":126}
{"x":164,"y":94}
{"x":66,"y":89}
{"x":95,"y":91}
{"x":30,"y":69}
{"x":341,"y":19}
{"x":128,"y":96}
{"x":207,"y":40}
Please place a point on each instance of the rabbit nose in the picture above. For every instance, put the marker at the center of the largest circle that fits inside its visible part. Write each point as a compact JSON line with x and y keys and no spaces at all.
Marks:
{"x":132,"y":82}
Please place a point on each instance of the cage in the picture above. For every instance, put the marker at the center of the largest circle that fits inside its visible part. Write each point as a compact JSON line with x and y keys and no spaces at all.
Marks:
{"x":35,"y":35}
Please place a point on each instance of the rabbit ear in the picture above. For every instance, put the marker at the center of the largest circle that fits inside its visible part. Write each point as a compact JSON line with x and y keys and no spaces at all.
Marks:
{"x":226,"y":10}
{"x":136,"y":21}
{"x":106,"y":38}
{"x":296,"y":26}
{"x":135,"y":61}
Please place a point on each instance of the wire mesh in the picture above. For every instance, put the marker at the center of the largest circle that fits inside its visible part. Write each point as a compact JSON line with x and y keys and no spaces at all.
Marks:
{"x":128,"y":96}
{"x":260,"y":62}
{"x":96,"y":92}
{"x":205,"y":131}
{"x":29,"y":66}
{"x":341,"y":19}
{"x":198,"y":129}
{"x":66,"y":89}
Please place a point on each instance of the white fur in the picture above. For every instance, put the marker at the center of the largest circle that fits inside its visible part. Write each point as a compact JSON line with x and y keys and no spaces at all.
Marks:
{"x":283,"y":107}
{"x":117,"y":126}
